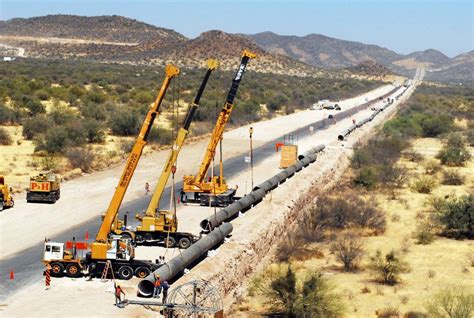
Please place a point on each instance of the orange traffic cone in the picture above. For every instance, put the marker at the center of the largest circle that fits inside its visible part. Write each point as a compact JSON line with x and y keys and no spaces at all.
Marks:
{"x":12,"y":275}
{"x":86,"y":237}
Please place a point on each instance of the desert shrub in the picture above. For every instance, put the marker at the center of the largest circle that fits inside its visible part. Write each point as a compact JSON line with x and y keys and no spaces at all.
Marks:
{"x":456,"y":215}
{"x":95,"y":96}
{"x":76,"y":133}
{"x":349,"y":249}
{"x":82,"y":158}
{"x":34,"y":107}
{"x":94,"y":131}
{"x":35,"y":125}
{"x":387,"y":312}
{"x":126,"y":146}
{"x":366,"y":177}
{"x":470,"y":137}
{"x":340,"y":212}
{"x":7,"y":115}
{"x":287,"y":248}
{"x":413,"y":156}
{"x":124,"y":122}
{"x":452,"y":177}
{"x":42,"y":94}
{"x":387,"y":268}
{"x":454,"y":152}
{"x":61,"y":114}
{"x":312,"y":297}
{"x":433,"y":126}
{"x":159,"y":135}
{"x":451,"y":302}
{"x":415,"y":314}
{"x":54,"y":141}
{"x":432,"y":167}
{"x":5,"y":138}
{"x":50,"y":162}
{"x":424,"y":184}
{"x":424,"y":233}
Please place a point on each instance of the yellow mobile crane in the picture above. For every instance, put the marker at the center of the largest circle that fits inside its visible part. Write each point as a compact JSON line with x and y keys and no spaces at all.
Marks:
{"x":161,"y":226}
{"x":202,"y":190}
{"x":112,"y":251}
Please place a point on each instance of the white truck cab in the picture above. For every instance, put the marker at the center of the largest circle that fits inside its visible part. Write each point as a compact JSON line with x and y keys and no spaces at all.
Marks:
{"x":53,"y":251}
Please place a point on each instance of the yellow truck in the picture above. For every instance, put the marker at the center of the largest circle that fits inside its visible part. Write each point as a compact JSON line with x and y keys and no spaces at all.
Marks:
{"x":44,"y":187}
{"x":6,"y":198}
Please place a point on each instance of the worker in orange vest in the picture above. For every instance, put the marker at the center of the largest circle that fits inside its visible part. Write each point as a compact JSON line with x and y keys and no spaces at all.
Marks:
{"x":157,"y":290}
{"x":118,"y":292}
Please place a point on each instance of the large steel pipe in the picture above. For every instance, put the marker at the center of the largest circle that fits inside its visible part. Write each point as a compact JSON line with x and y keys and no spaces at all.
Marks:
{"x":311,"y":151}
{"x":188,"y":256}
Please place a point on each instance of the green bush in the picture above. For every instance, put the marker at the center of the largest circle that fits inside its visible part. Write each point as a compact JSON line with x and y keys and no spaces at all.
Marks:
{"x":451,"y":302}
{"x":387,"y":268}
{"x":54,"y":141}
{"x":424,"y":184}
{"x":159,"y":135}
{"x":454,"y":153}
{"x":366,"y":177}
{"x":456,"y":215}
{"x":34,"y":107}
{"x":94,"y":131}
{"x":7,"y":115}
{"x":349,"y":249}
{"x":36,"y":125}
{"x":82,"y":158}
{"x":5,"y":138}
{"x":124,"y":122}
{"x":312,"y":297}
{"x":42,"y":94}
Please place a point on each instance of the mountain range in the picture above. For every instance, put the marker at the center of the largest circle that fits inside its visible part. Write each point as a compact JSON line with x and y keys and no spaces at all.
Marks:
{"x":120,"y":39}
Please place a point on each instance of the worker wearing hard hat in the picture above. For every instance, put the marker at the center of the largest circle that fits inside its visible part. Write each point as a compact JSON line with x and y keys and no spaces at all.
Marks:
{"x":118,"y":292}
{"x":157,"y":290}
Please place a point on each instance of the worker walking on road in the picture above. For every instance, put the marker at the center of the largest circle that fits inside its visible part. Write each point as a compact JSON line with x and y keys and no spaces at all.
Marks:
{"x":147,"y":188}
{"x":165,"y":286}
{"x":118,"y":292}
{"x":157,"y":291}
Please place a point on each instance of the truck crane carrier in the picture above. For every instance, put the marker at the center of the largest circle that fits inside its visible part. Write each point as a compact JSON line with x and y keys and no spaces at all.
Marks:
{"x":161,"y":226}
{"x":201,"y":190}
{"x":111,"y":251}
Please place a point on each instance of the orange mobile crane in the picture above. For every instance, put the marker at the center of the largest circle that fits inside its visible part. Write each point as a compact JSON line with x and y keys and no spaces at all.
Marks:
{"x":161,"y":226}
{"x":203,"y":190}
{"x":108,"y":250}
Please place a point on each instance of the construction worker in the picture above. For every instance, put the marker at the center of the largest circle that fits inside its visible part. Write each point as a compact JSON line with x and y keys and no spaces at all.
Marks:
{"x":147,"y":188}
{"x":118,"y":291}
{"x":157,"y":289}
{"x":165,"y":286}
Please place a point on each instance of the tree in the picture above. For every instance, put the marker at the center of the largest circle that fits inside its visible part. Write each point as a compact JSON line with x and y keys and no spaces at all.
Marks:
{"x":124,"y":122}
{"x":82,"y":158}
{"x":387,"y":268}
{"x":94,"y":131}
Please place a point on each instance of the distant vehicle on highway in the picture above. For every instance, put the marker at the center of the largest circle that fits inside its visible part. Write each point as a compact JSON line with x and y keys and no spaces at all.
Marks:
{"x":325,"y":104}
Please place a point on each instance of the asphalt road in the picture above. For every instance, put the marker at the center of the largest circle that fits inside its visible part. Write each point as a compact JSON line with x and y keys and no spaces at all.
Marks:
{"x":27,"y":265}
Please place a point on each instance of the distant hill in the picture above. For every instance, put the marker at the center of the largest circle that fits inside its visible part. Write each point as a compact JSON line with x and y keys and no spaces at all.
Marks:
{"x":100,"y":28}
{"x":124,"y":40}
{"x":323,"y":51}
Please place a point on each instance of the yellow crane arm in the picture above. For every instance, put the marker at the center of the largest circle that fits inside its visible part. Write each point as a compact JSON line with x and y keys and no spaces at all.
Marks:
{"x":132,"y":162}
{"x":178,"y":143}
{"x":223,"y":118}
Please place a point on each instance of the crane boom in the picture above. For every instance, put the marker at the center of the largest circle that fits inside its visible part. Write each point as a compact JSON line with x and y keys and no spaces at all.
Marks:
{"x":178,"y":143}
{"x":132,"y":162}
{"x":222,"y":120}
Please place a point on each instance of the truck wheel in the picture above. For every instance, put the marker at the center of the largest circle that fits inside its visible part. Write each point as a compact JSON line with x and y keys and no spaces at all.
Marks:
{"x":73,"y":270}
{"x":125,"y":272}
{"x":142,"y":272}
{"x":184,"y":242}
{"x":170,"y":242}
{"x":57,"y":269}
{"x":13,"y":203}
{"x":1,"y":206}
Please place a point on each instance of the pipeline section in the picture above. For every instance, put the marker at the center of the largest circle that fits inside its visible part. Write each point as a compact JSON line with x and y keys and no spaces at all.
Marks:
{"x":187,"y":257}
{"x":258,"y":192}
{"x":364,"y":121}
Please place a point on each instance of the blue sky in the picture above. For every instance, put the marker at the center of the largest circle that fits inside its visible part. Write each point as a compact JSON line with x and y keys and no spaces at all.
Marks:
{"x":401,"y":25}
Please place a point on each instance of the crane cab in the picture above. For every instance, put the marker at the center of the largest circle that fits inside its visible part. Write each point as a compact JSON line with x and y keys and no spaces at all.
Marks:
{"x":53,"y":251}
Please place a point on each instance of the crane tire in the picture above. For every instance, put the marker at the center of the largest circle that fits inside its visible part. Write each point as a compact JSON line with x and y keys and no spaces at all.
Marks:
{"x":184,"y":243}
{"x":125,"y":272}
{"x":142,"y":272}
{"x":57,"y":269}
{"x":73,"y":270}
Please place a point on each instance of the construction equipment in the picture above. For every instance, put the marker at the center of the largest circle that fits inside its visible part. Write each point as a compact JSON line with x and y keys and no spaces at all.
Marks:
{"x":44,"y":188}
{"x":6,"y":198}
{"x":215,"y":186}
{"x":119,"y":251}
{"x":161,"y":226}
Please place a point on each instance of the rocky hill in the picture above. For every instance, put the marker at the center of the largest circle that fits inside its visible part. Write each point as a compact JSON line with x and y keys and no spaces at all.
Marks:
{"x":370,"y":68}
{"x":100,"y":28}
